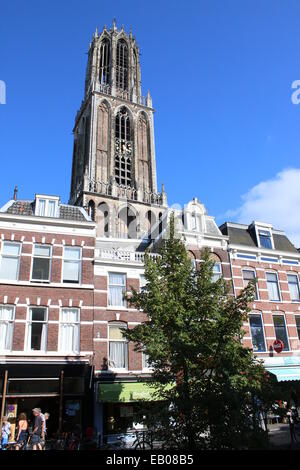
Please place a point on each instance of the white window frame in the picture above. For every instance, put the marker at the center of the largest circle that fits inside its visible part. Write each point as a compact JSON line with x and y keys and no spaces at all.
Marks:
{"x":143,"y":282}
{"x":124,"y":304}
{"x":296,"y":276}
{"x":28,"y":332}
{"x":144,"y":362}
{"x":219,"y":273}
{"x":278,"y":286}
{"x":286,"y":330}
{"x":79,"y":261}
{"x":263,"y":330}
{"x":18,"y":257}
{"x":264,"y":228}
{"x":47,"y":200}
{"x":246,"y":268}
{"x":76,"y":324}
{"x":43,"y":257}
{"x":11,"y":326}
{"x":125,"y":327}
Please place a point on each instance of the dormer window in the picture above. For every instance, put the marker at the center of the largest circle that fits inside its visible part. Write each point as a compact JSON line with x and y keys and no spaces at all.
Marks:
{"x":46,"y":206}
{"x":264,"y":235}
{"x":265,"y":238}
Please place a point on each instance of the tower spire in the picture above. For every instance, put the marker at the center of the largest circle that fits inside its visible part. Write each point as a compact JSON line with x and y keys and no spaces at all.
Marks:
{"x":114,"y":153}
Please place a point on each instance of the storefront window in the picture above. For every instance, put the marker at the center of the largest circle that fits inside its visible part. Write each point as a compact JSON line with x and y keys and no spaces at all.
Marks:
{"x":118,"y":418}
{"x":72,"y":415}
{"x":33,"y":386}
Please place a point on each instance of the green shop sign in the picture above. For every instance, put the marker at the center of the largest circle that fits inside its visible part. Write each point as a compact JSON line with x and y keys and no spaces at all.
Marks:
{"x":126,"y":392}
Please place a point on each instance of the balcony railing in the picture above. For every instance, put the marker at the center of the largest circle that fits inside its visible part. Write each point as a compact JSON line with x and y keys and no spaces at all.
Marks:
{"x":124,"y":192}
{"x":123,"y":255}
{"x":123,"y":94}
{"x":117,"y":190}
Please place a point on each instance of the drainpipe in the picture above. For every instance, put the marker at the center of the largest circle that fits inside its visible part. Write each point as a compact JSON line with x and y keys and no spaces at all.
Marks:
{"x":231,"y":271}
{"x":61,"y":401}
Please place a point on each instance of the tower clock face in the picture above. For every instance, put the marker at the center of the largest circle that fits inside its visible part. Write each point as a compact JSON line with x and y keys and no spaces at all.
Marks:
{"x":128,"y":148}
{"x":124,"y":148}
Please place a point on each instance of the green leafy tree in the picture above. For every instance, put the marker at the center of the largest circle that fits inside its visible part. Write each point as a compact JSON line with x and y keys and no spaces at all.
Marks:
{"x":209,"y":388}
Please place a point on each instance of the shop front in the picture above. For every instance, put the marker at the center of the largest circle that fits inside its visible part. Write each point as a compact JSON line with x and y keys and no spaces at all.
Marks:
{"x":61,"y":390}
{"x":122,"y":405}
{"x":286,"y":370}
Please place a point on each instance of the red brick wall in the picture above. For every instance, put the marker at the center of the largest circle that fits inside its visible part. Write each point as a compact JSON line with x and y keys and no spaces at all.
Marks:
{"x":24,"y":289}
{"x":269,"y":308}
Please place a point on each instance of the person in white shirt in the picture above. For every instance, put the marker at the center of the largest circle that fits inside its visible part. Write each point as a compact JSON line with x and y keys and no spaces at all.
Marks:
{"x":5,"y":433}
{"x":44,"y":417}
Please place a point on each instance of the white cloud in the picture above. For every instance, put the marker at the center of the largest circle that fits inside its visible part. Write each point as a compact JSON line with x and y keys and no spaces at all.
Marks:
{"x":276,"y":201}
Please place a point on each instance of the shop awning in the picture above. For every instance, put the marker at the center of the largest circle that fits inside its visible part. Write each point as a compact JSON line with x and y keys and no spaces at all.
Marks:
{"x":284,"y":374}
{"x":126,"y":392}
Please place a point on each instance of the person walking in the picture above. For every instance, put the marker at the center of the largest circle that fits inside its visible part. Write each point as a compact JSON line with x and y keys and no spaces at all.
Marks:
{"x":22,"y":431}
{"x":45,"y":417}
{"x":5,"y":433}
{"x":291,"y":420}
{"x":37,"y":430}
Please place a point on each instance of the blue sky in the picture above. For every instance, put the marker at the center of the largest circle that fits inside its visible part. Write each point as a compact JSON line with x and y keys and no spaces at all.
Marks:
{"x":219,"y":72}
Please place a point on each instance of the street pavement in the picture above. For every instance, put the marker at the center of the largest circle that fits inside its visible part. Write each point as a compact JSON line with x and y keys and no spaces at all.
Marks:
{"x":280,"y":437}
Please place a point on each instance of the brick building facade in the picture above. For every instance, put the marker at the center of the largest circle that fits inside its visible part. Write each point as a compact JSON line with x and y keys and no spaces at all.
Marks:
{"x":46,"y":307}
{"x":259,"y":251}
{"x":65,"y":267}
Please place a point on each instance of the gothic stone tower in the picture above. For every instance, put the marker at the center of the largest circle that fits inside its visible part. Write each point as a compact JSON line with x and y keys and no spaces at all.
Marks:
{"x":114,"y":168}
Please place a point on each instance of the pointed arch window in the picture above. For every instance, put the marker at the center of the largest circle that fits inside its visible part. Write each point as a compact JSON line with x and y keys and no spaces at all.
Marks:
{"x":123,"y":148}
{"x":122,"y":65}
{"x":91,"y":210}
{"x":104,"y":69}
{"x":143,"y":152}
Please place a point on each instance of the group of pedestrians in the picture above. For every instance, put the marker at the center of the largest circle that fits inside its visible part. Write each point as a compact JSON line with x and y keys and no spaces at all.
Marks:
{"x":34,"y":435}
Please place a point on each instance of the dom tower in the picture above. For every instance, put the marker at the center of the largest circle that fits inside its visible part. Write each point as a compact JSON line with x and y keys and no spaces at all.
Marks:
{"x":114,"y":168}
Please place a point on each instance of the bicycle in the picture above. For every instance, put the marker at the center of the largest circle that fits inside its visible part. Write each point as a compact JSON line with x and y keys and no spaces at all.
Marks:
{"x":137,"y":440}
{"x":143,"y":444}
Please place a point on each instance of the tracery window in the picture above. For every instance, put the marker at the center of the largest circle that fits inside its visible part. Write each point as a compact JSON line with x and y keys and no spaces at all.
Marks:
{"x":123,"y":148}
{"x":104,"y":62}
{"x":122,"y":65}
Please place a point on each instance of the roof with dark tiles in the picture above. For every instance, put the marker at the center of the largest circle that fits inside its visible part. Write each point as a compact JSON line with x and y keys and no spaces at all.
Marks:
{"x":239,"y":235}
{"x":66,"y":212}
